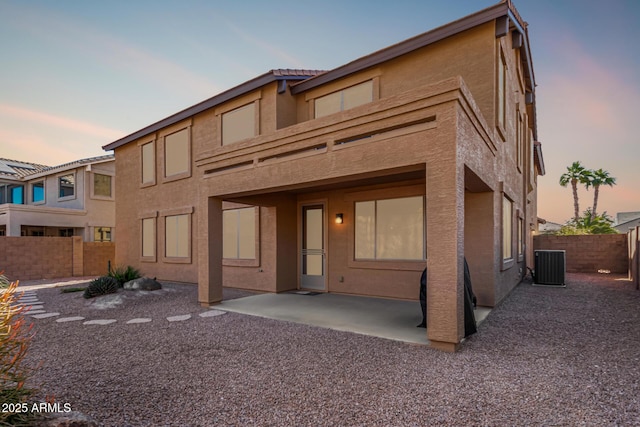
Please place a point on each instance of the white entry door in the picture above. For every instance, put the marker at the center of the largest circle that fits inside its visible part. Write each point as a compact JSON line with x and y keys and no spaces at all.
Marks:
{"x":313,"y":248}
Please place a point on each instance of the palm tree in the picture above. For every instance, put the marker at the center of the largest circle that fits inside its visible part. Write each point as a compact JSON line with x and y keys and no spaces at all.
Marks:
{"x":598,"y":178}
{"x":576,"y":173}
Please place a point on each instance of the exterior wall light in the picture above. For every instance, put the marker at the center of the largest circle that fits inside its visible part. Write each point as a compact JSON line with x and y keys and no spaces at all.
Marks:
{"x":339,"y":218}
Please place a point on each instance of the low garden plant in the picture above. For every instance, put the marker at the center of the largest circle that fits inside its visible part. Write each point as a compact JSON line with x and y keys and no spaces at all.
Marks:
{"x":124,"y":274}
{"x":103,"y":285}
{"x":15,"y":337}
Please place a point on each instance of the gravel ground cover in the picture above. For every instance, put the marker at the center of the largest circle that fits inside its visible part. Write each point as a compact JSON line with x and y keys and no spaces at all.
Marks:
{"x":545,"y":356}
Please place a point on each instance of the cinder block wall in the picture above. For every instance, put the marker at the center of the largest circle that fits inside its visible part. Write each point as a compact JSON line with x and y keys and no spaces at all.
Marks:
{"x":589,"y":253}
{"x":31,"y":258}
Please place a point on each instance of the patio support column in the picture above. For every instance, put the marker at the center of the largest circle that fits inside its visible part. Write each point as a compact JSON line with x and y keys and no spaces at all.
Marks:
{"x":210,"y":252}
{"x":445,"y":250}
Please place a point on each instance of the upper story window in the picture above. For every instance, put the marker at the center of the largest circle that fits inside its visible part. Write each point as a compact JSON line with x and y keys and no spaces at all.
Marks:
{"x":148,"y":163}
{"x":37,"y":192}
{"x":177,"y":154}
{"x":390,"y":229}
{"x":344,"y":99}
{"x":102,"y":185}
{"x":12,"y":193}
{"x":239,"y":124}
{"x":66,"y":186}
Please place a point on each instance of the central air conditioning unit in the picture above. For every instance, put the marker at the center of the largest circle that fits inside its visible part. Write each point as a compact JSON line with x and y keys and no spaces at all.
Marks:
{"x":550,"y":268}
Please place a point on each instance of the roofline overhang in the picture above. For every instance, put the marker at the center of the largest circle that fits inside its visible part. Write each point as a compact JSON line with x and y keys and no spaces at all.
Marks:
{"x":214,"y":101}
{"x":55,"y":170}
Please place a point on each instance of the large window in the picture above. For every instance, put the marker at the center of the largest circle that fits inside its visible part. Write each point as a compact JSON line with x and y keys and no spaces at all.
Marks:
{"x":101,"y":185}
{"x":391,"y":229}
{"x":176,"y":153}
{"x":177,"y":236}
{"x":66,"y":186}
{"x":507,"y":228}
{"x":239,"y":233}
{"x":344,"y":99}
{"x":239,"y":124}
{"x":11,"y":193}
{"x":149,"y":238}
{"x":148,"y":163}
{"x":37,"y":192}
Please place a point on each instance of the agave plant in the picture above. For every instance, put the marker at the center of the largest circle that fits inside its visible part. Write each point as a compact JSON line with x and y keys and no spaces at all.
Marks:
{"x":101,"y":286}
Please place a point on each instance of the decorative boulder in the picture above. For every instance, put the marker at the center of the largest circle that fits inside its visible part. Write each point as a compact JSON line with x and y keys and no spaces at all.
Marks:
{"x":142,"y":284}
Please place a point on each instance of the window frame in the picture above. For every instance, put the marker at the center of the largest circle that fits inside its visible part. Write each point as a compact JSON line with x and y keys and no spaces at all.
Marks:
{"x":375,"y":258}
{"x":501,"y":93}
{"x":182,"y":127}
{"x":507,"y":235}
{"x":228,"y":114}
{"x":110,"y":233}
{"x":152,"y":162}
{"x":153,"y":218}
{"x":32,"y":186}
{"x":253,"y":97}
{"x":185,"y":211}
{"x":244,"y":262}
{"x":93,"y":186}
{"x":75,"y":186}
{"x":341,"y":93}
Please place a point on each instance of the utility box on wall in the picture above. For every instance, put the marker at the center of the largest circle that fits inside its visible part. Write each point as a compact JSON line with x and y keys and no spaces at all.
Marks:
{"x":550,"y":267}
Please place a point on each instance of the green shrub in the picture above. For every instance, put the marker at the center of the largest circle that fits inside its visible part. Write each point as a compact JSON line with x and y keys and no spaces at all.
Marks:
{"x":15,"y":337}
{"x":101,"y":286}
{"x":124,"y":274}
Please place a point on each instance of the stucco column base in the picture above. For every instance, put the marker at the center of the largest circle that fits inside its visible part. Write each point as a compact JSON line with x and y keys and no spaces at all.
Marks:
{"x":449,"y":347}
{"x":209,"y":304}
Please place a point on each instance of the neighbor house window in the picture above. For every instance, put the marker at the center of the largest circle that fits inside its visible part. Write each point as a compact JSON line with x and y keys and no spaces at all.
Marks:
{"x":12,"y":193}
{"x":65,"y":232}
{"x":37,"y":192}
{"x":507,"y":228}
{"x":148,"y":163}
{"x":344,"y":99}
{"x":102,"y":234}
{"x":177,"y":236}
{"x":239,"y":233}
{"x":66,"y":186}
{"x":177,"y":153}
{"x":391,"y":229}
{"x":149,"y":238}
{"x":239,"y":124}
{"x":101,"y":185}
{"x":502,"y":89}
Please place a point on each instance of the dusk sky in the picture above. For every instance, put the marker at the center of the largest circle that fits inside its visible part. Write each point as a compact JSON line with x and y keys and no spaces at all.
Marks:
{"x":77,"y":75}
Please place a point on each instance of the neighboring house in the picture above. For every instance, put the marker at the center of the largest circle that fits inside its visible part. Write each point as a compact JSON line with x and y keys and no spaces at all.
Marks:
{"x":351,"y":180}
{"x":627,"y":220}
{"x":548,"y":227}
{"x":74,"y":199}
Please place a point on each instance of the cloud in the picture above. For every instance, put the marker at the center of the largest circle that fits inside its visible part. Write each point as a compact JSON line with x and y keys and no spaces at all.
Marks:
{"x":77,"y":126}
{"x":86,"y":40}
{"x":269,"y":48}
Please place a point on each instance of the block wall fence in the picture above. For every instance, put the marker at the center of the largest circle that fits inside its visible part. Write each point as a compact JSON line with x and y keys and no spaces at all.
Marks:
{"x":589,"y":253}
{"x":32,"y":258}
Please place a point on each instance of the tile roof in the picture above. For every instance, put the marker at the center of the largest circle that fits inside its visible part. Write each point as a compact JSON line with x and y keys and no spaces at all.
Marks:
{"x":17,"y":169}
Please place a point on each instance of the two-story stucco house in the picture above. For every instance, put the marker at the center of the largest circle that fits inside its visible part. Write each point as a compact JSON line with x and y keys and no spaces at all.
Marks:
{"x":74,"y":199}
{"x":351,"y":180}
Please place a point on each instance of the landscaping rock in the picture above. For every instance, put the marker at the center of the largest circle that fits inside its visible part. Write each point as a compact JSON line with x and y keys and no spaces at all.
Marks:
{"x":71,"y":419}
{"x":142,"y":284}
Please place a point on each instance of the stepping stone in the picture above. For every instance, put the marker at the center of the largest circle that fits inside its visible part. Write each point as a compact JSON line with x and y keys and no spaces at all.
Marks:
{"x":35,"y":307}
{"x":100,"y":322}
{"x":32,"y":312}
{"x":179,"y":318}
{"x":139,"y":320}
{"x":27,"y":299}
{"x":212,"y":313}
{"x":69,"y":319}
{"x":45,"y":315}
